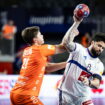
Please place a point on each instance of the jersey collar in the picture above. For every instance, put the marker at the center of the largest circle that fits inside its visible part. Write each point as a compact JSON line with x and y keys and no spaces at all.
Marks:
{"x":91,"y":54}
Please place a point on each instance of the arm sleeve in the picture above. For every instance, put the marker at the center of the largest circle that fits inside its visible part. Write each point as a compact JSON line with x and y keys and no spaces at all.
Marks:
{"x":47,"y":50}
{"x":100,"y":69}
{"x":71,"y":47}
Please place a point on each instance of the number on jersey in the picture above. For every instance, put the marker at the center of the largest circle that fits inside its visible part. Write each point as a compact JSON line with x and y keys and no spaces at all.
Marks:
{"x":25,"y":63}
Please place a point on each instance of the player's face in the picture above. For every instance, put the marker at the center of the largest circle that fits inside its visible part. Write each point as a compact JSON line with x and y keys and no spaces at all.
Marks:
{"x":40,"y":38}
{"x":97,"y":48}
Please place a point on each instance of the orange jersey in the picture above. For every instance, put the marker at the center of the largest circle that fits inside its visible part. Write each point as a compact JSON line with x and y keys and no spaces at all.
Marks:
{"x":32,"y":70}
{"x":8,"y":31}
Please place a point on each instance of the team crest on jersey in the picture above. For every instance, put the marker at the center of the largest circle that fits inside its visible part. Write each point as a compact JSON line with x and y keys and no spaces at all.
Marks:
{"x":50,"y":47}
{"x":85,"y":57}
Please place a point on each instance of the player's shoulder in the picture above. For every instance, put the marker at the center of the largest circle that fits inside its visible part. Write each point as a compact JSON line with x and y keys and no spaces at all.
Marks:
{"x":48,"y":46}
{"x":42,"y":46}
{"x":100,"y":66}
{"x":100,"y":62}
{"x":79,"y":47}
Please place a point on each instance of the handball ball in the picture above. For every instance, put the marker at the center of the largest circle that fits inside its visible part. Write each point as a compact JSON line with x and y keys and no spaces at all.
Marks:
{"x":81,"y":11}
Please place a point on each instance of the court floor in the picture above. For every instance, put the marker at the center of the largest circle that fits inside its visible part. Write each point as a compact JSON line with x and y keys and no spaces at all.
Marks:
{"x":53,"y":101}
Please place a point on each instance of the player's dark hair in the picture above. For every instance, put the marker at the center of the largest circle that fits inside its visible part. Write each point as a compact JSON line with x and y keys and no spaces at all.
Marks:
{"x":29,"y":33}
{"x":99,"y":37}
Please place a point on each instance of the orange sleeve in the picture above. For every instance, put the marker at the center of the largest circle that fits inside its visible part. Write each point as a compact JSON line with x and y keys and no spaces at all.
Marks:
{"x":47,"y":50}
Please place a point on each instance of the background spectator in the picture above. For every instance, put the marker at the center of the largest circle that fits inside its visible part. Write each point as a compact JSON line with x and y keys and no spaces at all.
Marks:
{"x":7,"y":38}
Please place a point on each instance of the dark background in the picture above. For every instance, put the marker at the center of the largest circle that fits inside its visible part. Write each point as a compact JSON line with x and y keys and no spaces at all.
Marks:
{"x":24,"y":13}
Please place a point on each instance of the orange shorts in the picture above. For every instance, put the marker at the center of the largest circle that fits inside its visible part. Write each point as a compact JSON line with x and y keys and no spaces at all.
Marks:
{"x":17,"y":99}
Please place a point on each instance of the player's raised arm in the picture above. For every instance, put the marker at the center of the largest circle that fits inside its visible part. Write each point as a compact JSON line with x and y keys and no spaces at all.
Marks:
{"x":67,"y":42}
{"x":71,"y":33}
{"x":68,"y":38}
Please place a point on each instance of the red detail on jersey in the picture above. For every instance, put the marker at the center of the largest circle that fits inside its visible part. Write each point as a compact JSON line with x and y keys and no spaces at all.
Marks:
{"x":83,"y":73}
{"x":102,"y":82}
{"x":97,"y":90}
{"x":87,"y":102}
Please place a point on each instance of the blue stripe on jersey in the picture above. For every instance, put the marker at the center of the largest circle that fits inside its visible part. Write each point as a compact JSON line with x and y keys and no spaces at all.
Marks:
{"x":91,"y":54}
{"x":80,"y":66}
{"x":60,"y":97}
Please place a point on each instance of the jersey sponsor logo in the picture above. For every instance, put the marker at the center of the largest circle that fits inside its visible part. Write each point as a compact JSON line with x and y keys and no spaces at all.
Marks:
{"x":83,"y":73}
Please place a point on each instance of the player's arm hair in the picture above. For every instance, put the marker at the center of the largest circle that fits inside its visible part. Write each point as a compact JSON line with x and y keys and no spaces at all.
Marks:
{"x":70,"y":35}
{"x":52,"y":67}
{"x":95,"y":82}
{"x":67,"y":41}
{"x":68,"y":38}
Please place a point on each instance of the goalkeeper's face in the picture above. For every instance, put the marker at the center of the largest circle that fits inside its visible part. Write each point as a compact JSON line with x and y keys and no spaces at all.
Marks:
{"x":97,"y":48}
